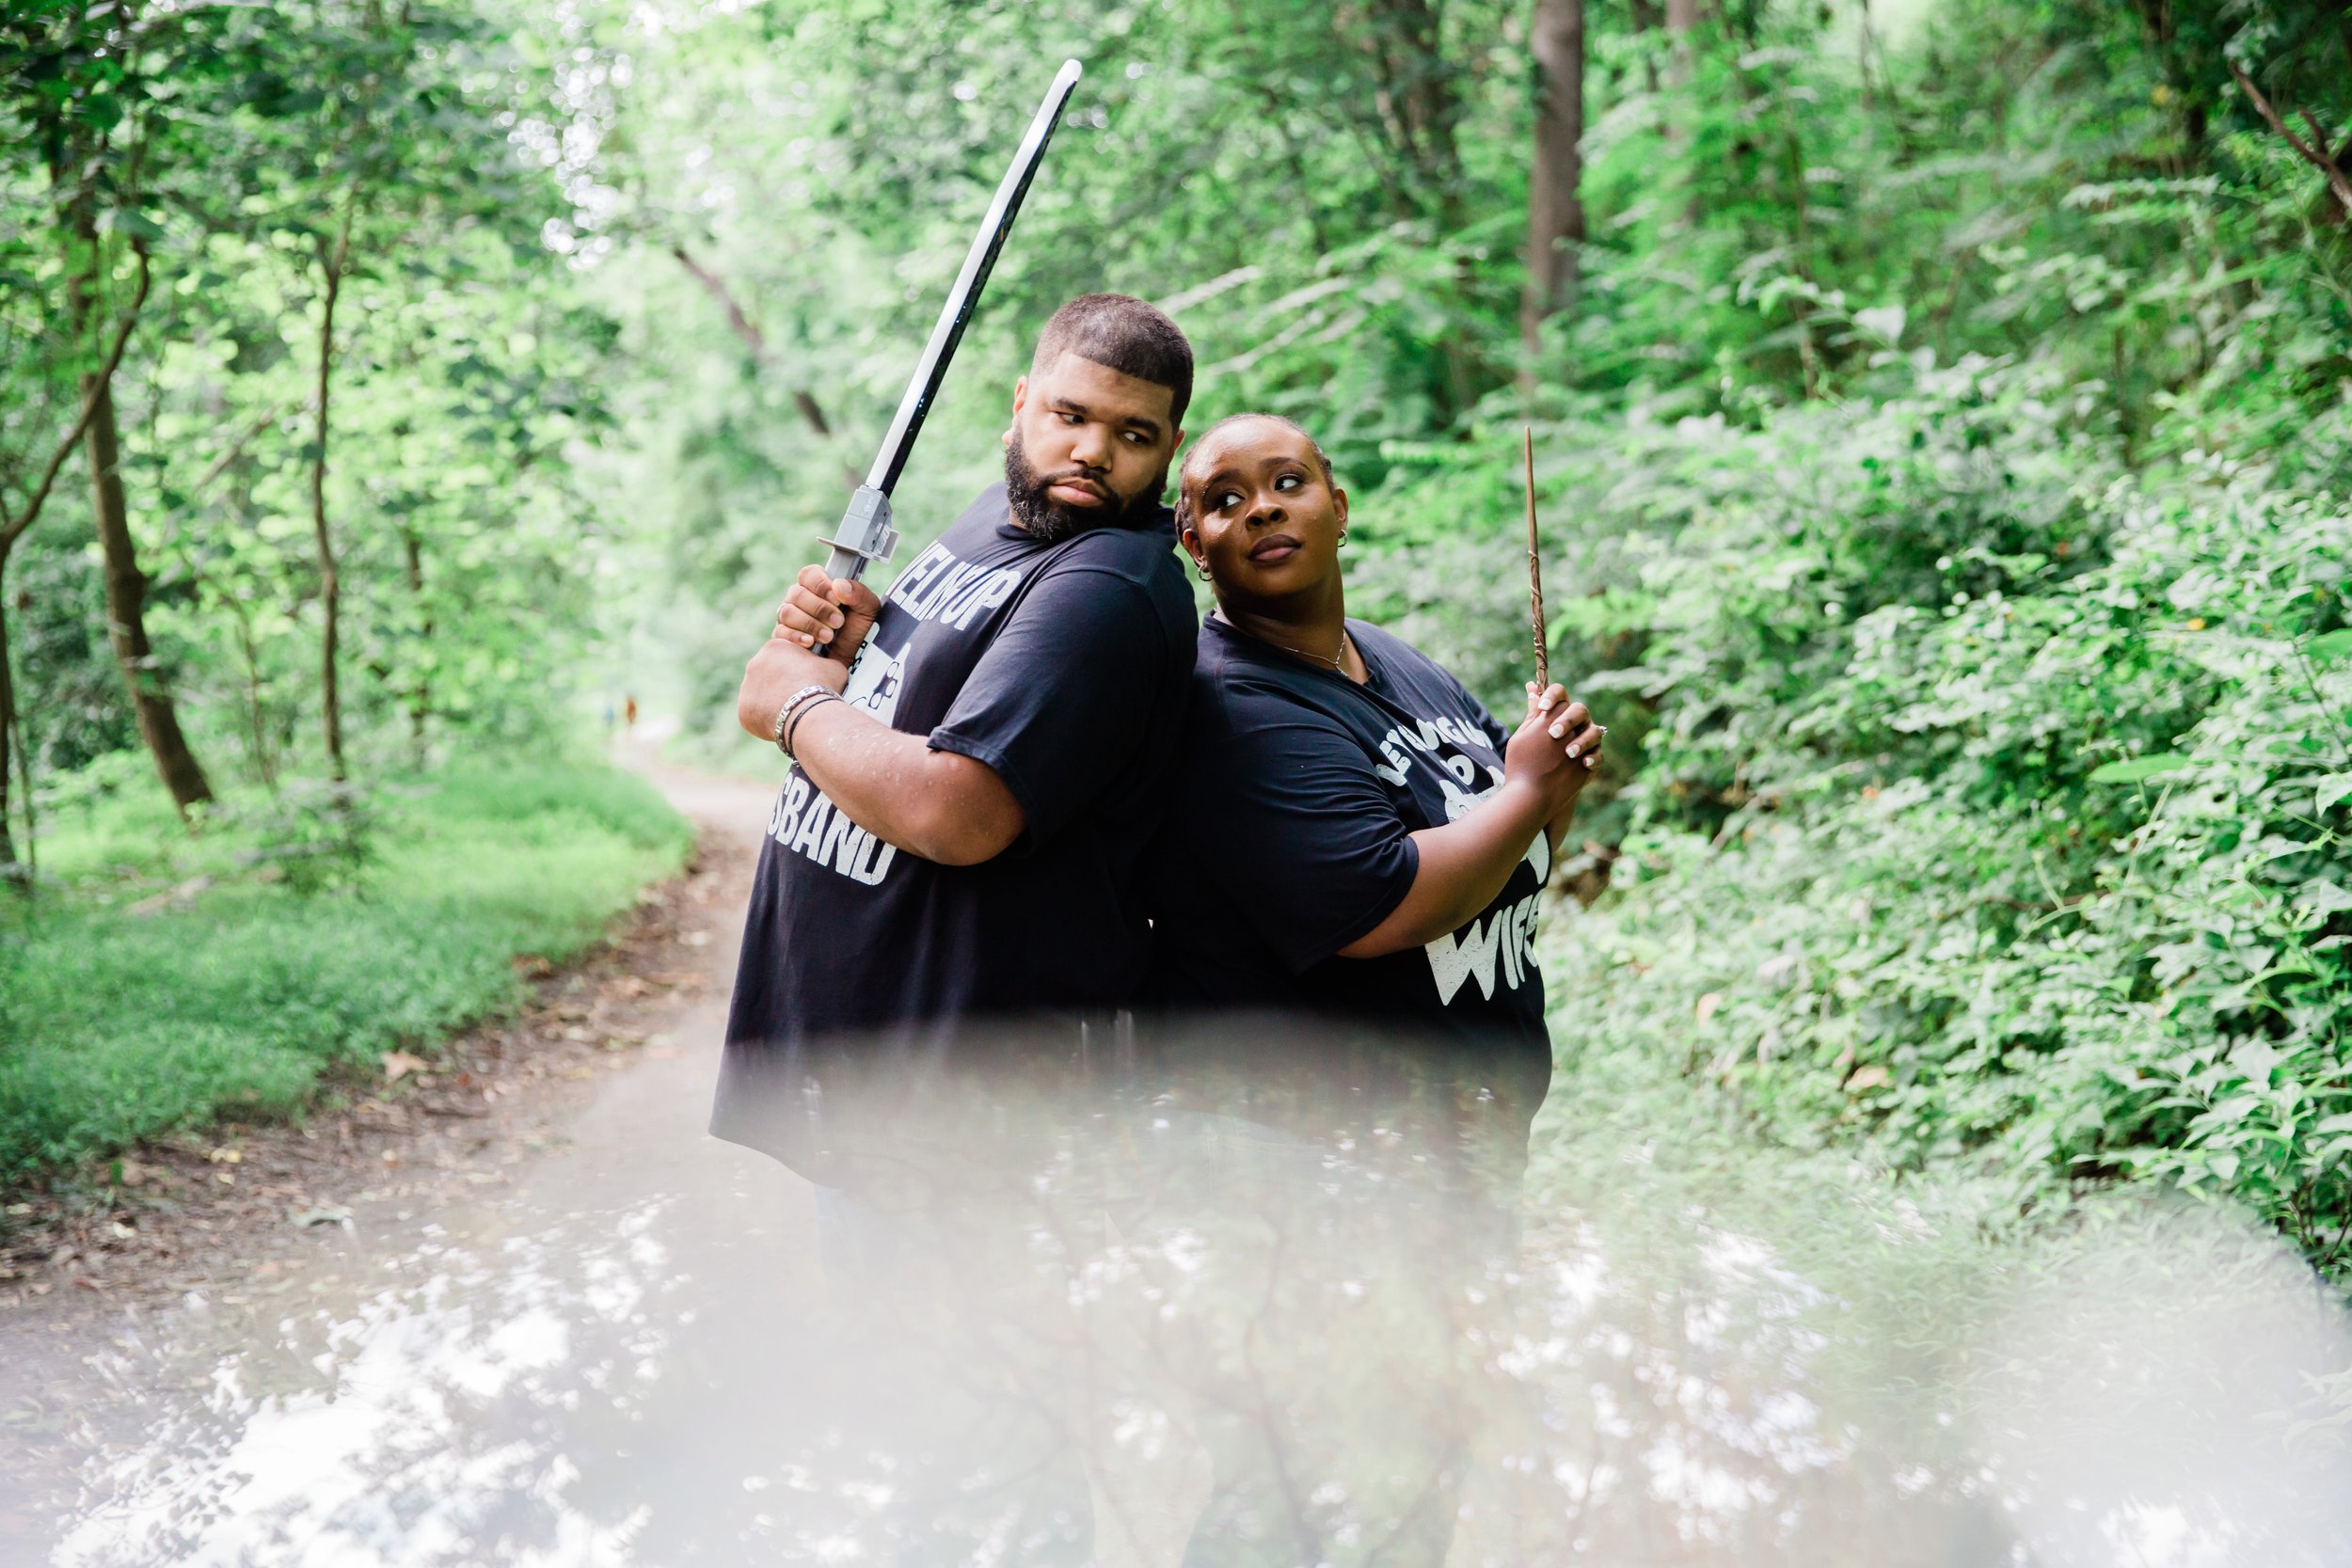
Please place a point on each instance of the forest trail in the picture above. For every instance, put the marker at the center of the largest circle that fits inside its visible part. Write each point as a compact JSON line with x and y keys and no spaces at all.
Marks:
{"x":540,"y":1317}
{"x":592,"y":1101}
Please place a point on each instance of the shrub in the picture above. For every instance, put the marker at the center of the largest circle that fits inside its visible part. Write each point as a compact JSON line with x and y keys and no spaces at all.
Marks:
{"x":115,"y":1026}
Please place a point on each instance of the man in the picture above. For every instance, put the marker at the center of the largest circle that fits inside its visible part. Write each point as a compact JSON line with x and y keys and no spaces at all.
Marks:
{"x":975,"y":775}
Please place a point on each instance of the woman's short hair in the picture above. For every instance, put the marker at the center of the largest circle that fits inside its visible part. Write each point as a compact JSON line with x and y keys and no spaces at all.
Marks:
{"x":1187,"y":474}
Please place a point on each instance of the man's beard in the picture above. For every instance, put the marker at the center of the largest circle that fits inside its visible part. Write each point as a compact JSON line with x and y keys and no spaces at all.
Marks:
{"x":1042,"y":516}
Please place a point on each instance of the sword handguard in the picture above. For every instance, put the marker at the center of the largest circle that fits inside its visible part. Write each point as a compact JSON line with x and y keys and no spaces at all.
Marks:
{"x":866,"y":534}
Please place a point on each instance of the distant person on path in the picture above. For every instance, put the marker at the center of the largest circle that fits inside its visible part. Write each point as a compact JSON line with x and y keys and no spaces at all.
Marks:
{"x":970,"y":794}
{"x":628,"y":711}
{"x":1353,"y":833}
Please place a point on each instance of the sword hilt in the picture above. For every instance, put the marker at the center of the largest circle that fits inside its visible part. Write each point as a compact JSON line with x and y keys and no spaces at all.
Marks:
{"x":866,"y":535}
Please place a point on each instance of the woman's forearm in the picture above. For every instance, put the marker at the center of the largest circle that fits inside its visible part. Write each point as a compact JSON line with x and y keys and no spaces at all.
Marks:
{"x":1463,"y":866}
{"x":1557,"y":829}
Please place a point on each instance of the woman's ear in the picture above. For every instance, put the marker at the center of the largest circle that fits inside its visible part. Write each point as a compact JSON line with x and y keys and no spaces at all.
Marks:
{"x":1339,"y":504}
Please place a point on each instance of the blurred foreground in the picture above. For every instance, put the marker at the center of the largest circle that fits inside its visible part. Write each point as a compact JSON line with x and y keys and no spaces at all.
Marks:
{"x":1245,"y":1299}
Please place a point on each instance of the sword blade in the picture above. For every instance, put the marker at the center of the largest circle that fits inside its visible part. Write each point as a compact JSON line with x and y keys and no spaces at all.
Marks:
{"x":866,"y":534}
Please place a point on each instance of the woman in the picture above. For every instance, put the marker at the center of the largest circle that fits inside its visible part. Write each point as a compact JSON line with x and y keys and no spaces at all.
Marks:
{"x":1352,"y":832}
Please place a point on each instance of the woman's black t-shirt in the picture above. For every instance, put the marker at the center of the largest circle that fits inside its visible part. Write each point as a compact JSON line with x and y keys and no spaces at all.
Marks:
{"x":1287,"y":838}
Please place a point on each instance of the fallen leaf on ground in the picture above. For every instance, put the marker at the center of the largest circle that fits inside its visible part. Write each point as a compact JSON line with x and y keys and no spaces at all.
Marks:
{"x":326,"y":1213}
{"x":399,"y":1065}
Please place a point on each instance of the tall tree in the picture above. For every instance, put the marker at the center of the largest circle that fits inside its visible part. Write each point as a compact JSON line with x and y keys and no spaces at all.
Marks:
{"x":73,"y":155}
{"x":16,"y":519}
{"x":1555,"y":204}
{"x":334,"y":260}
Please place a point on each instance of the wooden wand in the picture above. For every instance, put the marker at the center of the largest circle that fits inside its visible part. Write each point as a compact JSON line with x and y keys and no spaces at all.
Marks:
{"x":1535,"y":573}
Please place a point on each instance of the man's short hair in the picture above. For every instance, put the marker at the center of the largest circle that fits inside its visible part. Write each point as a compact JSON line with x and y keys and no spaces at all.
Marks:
{"x":1124,"y":334}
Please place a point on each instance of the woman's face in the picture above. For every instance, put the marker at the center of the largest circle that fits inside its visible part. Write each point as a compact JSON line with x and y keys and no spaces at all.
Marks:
{"x":1262,"y":517}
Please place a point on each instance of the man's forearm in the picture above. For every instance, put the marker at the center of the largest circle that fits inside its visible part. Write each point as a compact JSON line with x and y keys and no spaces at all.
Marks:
{"x":934,"y":805}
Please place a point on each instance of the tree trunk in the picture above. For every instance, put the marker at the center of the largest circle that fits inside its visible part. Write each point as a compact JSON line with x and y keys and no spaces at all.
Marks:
{"x":126,"y":607}
{"x":12,"y":528}
{"x":1555,"y":209}
{"x":420,"y":695}
{"x":1414,"y":96}
{"x":1647,"y":19}
{"x":126,"y":585}
{"x":263,"y":764}
{"x":330,"y":585}
{"x":7,"y":738}
{"x":1682,"y":20}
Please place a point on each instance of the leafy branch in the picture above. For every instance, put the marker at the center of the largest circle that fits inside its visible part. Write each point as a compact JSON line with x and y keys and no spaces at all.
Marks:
{"x":2313,"y":152}
{"x":13,"y":525}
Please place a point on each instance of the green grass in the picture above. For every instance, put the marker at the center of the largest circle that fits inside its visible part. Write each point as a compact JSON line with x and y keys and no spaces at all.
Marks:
{"x":116,"y":1026}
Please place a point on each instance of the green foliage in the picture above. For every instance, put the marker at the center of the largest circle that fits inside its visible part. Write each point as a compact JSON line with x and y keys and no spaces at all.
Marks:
{"x":1942,"y":453}
{"x":126,"y":1012}
{"x":2050,"y":874}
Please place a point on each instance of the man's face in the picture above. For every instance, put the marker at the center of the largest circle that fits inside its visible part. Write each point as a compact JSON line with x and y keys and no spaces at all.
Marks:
{"x":1088,"y":447}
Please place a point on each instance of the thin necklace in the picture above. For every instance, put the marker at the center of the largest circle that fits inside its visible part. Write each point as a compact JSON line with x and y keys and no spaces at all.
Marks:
{"x":1336,"y":661}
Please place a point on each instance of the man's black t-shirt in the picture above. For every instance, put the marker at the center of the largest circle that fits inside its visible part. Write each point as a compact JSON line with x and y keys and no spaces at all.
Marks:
{"x":1296,"y":792}
{"x":1062,"y":667}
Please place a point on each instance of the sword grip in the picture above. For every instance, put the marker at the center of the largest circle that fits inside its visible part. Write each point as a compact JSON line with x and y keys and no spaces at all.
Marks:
{"x":866,"y":534}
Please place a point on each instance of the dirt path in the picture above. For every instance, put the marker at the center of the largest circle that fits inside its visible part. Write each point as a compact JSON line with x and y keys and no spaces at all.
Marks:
{"x":610,"y":1063}
{"x":529,"y":1314}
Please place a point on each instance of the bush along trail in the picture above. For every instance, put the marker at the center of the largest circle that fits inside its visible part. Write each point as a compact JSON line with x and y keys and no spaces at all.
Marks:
{"x":1993,"y":807}
{"x":1941,"y":415}
{"x":164,"y":985}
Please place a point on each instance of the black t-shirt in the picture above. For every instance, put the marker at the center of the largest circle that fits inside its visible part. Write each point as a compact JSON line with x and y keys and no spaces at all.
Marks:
{"x":1063,"y":668}
{"x":1297,"y":792}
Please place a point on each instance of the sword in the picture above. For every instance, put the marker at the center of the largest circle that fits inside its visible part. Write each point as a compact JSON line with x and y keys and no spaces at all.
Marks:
{"x":865,"y":533}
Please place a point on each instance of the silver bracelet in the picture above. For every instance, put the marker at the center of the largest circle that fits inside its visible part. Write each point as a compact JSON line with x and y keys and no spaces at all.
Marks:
{"x":803,"y":695}
{"x":800,"y":716}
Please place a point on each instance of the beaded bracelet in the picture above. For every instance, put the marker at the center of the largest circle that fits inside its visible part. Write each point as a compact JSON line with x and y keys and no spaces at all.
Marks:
{"x":792,"y":725}
{"x":781,"y":735}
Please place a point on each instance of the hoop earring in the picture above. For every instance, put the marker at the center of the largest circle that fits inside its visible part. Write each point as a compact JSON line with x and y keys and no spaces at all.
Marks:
{"x":1343,"y":538}
{"x":1202,"y":567}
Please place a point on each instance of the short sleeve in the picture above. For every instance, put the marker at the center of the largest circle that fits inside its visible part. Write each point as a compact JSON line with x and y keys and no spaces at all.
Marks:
{"x":1062,"y":699}
{"x":1293,"y":824}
